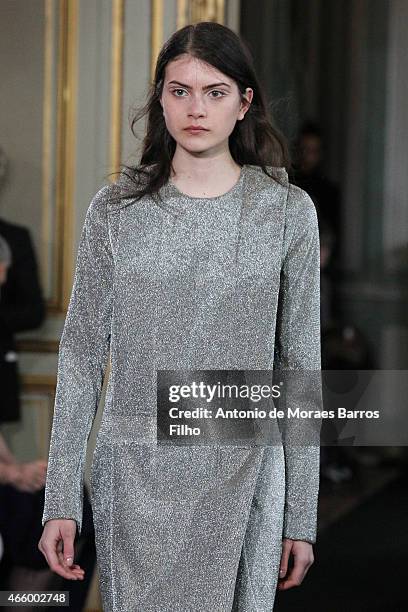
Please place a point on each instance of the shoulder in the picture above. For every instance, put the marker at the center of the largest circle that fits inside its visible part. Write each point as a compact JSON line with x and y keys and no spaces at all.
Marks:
{"x":110,"y":199}
{"x":102,"y":203}
{"x":13,"y":231}
{"x":18,"y":239}
{"x":300,"y":208}
{"x":301,"y":223}
{"x":275,"y":177}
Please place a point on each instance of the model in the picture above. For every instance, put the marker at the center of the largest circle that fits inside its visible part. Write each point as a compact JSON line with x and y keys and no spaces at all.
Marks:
{"x":204,"y":256}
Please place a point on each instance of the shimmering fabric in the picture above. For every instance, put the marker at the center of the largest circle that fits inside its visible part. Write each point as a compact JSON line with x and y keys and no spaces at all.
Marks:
{"x":186,"y":283}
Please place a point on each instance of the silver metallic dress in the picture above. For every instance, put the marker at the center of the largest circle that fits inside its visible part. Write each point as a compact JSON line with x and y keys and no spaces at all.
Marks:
{"x":200,"y":283}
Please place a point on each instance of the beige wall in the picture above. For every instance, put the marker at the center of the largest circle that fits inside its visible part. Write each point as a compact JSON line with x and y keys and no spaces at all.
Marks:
{"x":21,"y":108}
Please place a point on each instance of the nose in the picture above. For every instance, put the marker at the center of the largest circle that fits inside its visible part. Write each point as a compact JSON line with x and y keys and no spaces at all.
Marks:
{"x":196,"y":106}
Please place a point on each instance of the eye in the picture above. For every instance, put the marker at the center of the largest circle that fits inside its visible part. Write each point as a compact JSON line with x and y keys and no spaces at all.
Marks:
{"x":178,"y":89}
{"x":217,"y":91}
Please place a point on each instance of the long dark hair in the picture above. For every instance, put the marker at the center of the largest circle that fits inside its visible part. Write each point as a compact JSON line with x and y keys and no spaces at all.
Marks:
{"x":254,"y":140}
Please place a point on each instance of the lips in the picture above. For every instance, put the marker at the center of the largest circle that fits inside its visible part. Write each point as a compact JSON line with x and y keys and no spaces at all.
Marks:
{"x":193,"y":128}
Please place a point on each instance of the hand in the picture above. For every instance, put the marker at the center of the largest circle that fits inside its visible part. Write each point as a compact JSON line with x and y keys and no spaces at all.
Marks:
{"x":27,"y":477}
{"x":34,"y":474}
{"x":303,"y":558}
{"x":57,"y":546}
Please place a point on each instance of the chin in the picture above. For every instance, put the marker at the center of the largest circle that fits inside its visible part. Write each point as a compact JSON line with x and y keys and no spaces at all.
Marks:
{"x":195,"y":146}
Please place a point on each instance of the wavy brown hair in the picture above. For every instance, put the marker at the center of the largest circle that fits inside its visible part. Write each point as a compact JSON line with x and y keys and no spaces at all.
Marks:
{"x":254,"y":140}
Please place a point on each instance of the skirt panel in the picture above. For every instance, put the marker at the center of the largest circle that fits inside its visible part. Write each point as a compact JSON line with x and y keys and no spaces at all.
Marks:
{"x":175,"y":527}
{"x":258,"y":571}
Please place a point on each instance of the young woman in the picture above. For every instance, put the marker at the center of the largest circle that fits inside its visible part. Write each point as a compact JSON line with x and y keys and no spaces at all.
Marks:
{"x":204,"y":257}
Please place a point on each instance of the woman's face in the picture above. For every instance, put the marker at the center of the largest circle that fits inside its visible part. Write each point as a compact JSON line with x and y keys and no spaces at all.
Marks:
{"x":197,"y":94}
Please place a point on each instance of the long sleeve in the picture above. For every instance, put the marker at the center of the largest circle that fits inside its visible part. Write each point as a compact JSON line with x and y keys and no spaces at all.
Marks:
{"x":83,"y":355}
{"x":298,"y":347}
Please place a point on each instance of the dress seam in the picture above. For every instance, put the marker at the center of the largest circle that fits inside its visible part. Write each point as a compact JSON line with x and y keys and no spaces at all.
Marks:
{"x":248,"y":514}
{"x":113,"y":569}
{"x":250,"y":579}
{"x":241,"y":214}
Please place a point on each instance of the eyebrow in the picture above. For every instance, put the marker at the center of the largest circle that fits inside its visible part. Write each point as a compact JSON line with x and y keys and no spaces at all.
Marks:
{"x":206,"y":87}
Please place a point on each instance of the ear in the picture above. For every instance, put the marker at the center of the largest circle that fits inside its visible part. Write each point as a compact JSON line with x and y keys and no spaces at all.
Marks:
{"x":249,"y":94}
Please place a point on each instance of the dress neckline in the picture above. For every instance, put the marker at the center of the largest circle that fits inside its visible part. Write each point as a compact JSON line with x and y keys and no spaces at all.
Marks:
{"x":173,"y":190}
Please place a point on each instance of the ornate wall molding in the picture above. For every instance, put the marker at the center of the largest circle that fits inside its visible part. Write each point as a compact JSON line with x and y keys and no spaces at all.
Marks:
{"x":156,"y":32}
{"x":118,"y":14}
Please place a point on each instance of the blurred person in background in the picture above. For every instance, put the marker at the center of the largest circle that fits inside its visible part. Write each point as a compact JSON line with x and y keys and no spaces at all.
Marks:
{"x":21,"y":308}
{"x":309,"y":174}
{"x":327,"y":306}
{"x":15,"y":477}
{"x":5,"y":260}
{"x":25,"y":476}
{"x":21,"y":303}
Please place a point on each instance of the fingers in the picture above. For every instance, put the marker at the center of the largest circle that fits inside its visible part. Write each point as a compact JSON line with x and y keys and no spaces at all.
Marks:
{"x":295,"y":577}
{"x":286,"y":548}
{"x":65,"y":549}
{"x":56,"y":566}
{"x":66,"y":559}
{"x":57,"y":546}
{"x":303,"y":559}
